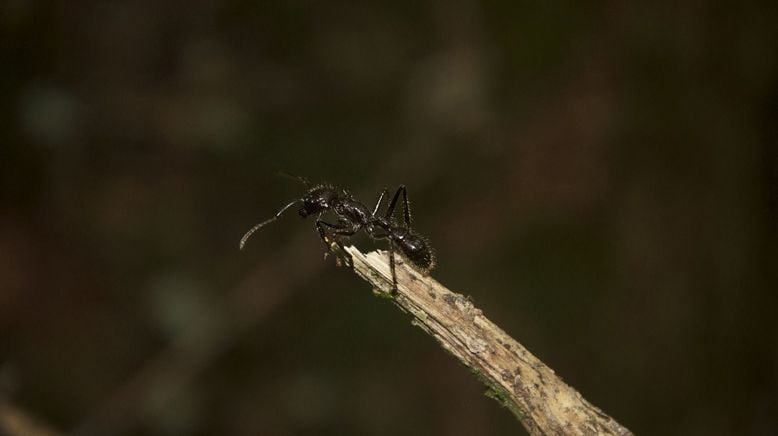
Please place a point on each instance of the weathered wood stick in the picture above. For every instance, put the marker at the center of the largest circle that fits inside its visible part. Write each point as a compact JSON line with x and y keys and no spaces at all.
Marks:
{"x":543,"y":403}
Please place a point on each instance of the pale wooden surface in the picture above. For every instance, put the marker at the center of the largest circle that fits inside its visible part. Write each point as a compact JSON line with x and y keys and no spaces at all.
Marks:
{"x":543,"y":403}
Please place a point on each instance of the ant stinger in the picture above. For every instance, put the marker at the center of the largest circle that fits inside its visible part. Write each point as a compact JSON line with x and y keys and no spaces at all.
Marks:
{"x":354,"y":216}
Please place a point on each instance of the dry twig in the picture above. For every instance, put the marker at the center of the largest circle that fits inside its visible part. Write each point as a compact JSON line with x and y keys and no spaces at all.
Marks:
{"x":531,"y":390}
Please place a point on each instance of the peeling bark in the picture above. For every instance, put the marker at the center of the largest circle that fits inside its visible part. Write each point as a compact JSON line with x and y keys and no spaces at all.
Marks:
{"x":542,"y":402}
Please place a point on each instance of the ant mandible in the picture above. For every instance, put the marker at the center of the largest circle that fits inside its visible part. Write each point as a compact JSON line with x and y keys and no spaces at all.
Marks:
{"x":354,"y":216}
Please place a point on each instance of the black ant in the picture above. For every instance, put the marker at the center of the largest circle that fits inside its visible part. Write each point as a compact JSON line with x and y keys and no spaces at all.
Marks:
{"x":354,"y":216}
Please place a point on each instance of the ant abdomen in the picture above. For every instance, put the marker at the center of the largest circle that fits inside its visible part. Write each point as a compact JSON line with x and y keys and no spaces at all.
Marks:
{"x":416,"y":249}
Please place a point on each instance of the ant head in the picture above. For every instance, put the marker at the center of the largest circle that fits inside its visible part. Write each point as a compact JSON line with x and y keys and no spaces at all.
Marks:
{"x":317,"y":200}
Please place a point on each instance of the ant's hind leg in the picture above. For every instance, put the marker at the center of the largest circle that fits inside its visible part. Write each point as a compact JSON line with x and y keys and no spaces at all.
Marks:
{"x":406,"y":206}
{"x":392,"y":267}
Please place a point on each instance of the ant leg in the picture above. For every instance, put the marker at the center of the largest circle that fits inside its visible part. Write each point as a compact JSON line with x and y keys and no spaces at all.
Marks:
{"x":406,"y":206}
{"x":380,"y":200}
{"x":392,"y":267}
{"x":391,"y":257}
{"x":340,"y":229}
{"x":347,"y":232}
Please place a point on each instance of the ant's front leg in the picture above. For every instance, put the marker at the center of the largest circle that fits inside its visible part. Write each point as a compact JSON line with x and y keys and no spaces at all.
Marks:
{"x":336,"y":230}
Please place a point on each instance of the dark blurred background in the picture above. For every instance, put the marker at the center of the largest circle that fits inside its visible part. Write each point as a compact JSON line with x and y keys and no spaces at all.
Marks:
{"x":603,"y":180}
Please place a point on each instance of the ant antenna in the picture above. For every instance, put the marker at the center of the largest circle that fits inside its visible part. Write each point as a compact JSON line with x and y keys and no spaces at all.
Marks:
{"x":300,"y":179}
{"x":263,"y":223}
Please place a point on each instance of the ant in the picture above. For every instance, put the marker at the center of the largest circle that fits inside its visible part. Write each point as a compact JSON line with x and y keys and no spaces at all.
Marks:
{"x":354,"y":216}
